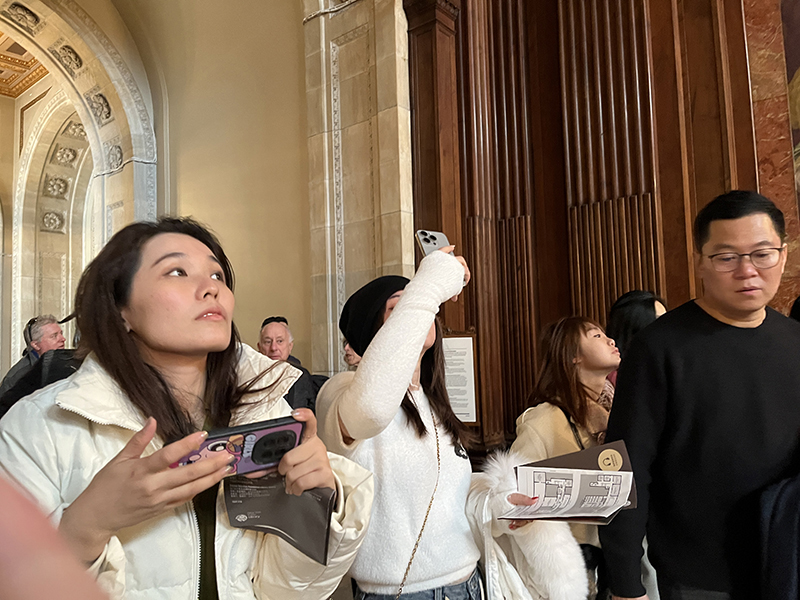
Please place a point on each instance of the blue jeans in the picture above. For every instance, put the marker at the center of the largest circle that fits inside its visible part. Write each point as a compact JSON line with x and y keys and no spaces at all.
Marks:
{"x":471,"y":589}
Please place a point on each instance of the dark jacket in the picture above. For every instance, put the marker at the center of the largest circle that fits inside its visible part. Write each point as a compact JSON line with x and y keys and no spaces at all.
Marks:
{"x":53,"y":366}
{"x":303,"y":394}
{"x":780,"y":539}
{"x":16,"y":372}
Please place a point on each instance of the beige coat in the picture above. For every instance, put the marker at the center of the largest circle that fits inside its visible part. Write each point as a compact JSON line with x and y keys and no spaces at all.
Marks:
{"x":544,"y":432}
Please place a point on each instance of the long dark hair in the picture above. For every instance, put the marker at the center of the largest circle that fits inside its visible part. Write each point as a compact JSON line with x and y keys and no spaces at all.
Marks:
{"x":558,"y":382}
{"x":632,"y":312}
{"x":105,"y":288}
{"x":432,"y":380}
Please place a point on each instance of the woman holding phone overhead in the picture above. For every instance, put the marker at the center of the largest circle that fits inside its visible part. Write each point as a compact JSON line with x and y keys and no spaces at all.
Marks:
{"x":393,"y":416}
{"x":164,"y":364}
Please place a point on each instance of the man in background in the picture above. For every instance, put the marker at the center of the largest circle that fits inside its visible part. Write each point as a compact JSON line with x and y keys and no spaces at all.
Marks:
{"x":41,"y":334}
{"x":708,"y":403}
{"x":275,"y":340}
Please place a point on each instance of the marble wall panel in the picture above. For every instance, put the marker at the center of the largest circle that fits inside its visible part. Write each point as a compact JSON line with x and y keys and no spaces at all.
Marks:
{"x":355,"y":55}
{"x":319,"y":202}
{"x":394,"y":151}
{"x":396,"y":227}
{"x":770,"y":95}
{"x":320,"y":242}
{"x":357,"y":99}
{"x":51,"y":278}
{"x":316,"y":107}
{"x":356,"y":279}
{"x":28,"y":303}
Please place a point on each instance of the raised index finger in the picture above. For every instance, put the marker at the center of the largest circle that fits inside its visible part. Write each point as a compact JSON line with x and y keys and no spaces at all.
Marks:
{"x":172,"y":453}
{"x":138,"y":442}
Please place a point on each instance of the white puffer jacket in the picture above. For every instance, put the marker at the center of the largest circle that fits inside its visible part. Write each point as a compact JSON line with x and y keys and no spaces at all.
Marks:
{"x":55,"y":441}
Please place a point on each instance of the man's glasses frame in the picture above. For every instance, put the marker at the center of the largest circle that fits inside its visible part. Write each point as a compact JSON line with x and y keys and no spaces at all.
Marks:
{"x":763,"y":258}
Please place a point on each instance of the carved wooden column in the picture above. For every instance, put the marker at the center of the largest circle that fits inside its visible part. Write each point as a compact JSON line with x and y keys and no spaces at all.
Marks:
{"x":479,"y":181}
{"x":510,"y":204}
{"x":434,"y":125}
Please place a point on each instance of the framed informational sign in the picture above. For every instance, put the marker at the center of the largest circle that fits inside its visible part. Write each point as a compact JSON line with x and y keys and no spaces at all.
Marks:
{"x":459,"y":358}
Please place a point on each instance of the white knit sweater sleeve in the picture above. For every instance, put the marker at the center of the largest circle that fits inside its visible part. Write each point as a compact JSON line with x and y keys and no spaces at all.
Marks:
{"x":370,"y":401}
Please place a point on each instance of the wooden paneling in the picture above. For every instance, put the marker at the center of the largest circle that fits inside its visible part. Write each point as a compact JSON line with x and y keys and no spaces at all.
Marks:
{"x":589,"y":132}
{"x":479,"y":178}
{"x":613,"y":250}
{"x":614,"y":239}
{"x":434,"y":127}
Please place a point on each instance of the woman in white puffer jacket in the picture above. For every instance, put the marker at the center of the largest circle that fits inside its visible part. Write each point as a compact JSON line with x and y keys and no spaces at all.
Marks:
{"x":164,"y":362}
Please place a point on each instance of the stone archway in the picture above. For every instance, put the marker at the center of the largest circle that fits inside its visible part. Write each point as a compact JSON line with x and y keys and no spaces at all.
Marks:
{"x":54,"y":222}
{"x":100,"y":89}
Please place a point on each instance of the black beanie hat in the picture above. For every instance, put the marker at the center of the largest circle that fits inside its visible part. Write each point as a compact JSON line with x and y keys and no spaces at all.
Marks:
{"x":362,"y":308}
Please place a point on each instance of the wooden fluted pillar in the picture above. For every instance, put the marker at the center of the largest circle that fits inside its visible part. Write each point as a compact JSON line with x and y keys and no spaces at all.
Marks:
{"x":479,"y":182}
{"x":434,"y":126}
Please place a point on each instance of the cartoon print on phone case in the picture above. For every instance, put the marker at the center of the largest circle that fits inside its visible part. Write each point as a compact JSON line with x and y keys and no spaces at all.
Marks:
{"x":233,"y":445}
{"x":255,"y":447}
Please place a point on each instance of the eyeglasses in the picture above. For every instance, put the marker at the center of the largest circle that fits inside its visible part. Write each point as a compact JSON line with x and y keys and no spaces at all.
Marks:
{"x":269,"y":320}
{"x":763,"y":258}
{"x":28,"y":334}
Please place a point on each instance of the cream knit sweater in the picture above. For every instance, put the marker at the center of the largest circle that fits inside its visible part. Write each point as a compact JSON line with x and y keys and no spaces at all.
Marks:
{"x":368,"y":403}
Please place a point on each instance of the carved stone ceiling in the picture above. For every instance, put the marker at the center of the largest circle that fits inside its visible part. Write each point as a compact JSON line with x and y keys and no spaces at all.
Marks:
{"x":19,"y":70}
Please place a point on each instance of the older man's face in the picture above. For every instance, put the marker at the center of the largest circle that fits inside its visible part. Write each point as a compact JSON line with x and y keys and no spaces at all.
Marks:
{"x":52,"y":339}
{"x":275,"y":341}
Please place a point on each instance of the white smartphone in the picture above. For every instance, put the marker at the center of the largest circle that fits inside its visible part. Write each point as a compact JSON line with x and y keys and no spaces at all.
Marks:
{"x":430,"y":241}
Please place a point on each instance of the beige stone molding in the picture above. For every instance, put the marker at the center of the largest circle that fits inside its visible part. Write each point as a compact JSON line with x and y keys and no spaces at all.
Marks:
{"x":359,"y":145}
{"x":114,"y":175}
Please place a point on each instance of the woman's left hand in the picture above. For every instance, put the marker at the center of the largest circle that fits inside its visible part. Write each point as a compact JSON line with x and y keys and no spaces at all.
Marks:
{"x":520,"y":500}
{"x":306,"y":466}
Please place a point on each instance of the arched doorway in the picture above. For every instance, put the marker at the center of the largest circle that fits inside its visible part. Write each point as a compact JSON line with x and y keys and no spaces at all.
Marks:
{"x":87,"y":167}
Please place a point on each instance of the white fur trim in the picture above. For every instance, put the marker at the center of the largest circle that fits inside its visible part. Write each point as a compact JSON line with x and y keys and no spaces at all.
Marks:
{"x":551,"y":560}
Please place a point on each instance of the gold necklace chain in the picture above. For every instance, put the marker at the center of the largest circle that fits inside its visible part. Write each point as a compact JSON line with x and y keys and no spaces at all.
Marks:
{"x":428,"y":512}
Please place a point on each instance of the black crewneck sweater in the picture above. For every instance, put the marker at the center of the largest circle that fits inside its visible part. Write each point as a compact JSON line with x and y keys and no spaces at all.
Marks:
{"x":710,"y":414}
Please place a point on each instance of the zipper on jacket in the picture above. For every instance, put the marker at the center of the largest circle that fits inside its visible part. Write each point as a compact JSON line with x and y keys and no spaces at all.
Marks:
{"x":191,"y":502}
{"x":199,"y":546}
{"x":88,"y":417}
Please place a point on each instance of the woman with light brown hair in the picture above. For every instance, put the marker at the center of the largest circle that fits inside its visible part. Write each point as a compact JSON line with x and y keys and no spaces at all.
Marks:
{"x":570,"y":406}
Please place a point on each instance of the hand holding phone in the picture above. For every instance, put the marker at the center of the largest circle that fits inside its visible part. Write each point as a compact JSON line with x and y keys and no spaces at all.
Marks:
{"x":430,"y":241}
{"x":255,"y":447}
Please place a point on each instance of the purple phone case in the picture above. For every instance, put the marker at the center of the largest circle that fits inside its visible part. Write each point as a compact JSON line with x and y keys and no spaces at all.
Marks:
{"x":256,"y":447}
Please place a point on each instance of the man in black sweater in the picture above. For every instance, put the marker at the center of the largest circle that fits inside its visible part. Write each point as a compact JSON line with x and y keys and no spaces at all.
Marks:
{"x":708,"y":403}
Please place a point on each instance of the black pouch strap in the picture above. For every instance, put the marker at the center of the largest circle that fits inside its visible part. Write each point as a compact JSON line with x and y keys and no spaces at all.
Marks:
{"x":574,"y":429}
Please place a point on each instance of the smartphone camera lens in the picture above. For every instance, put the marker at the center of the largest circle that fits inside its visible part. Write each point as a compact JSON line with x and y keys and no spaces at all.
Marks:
{"x":433,"y":237}
{"x":423,"y":233}
{"x":426,"y":240}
